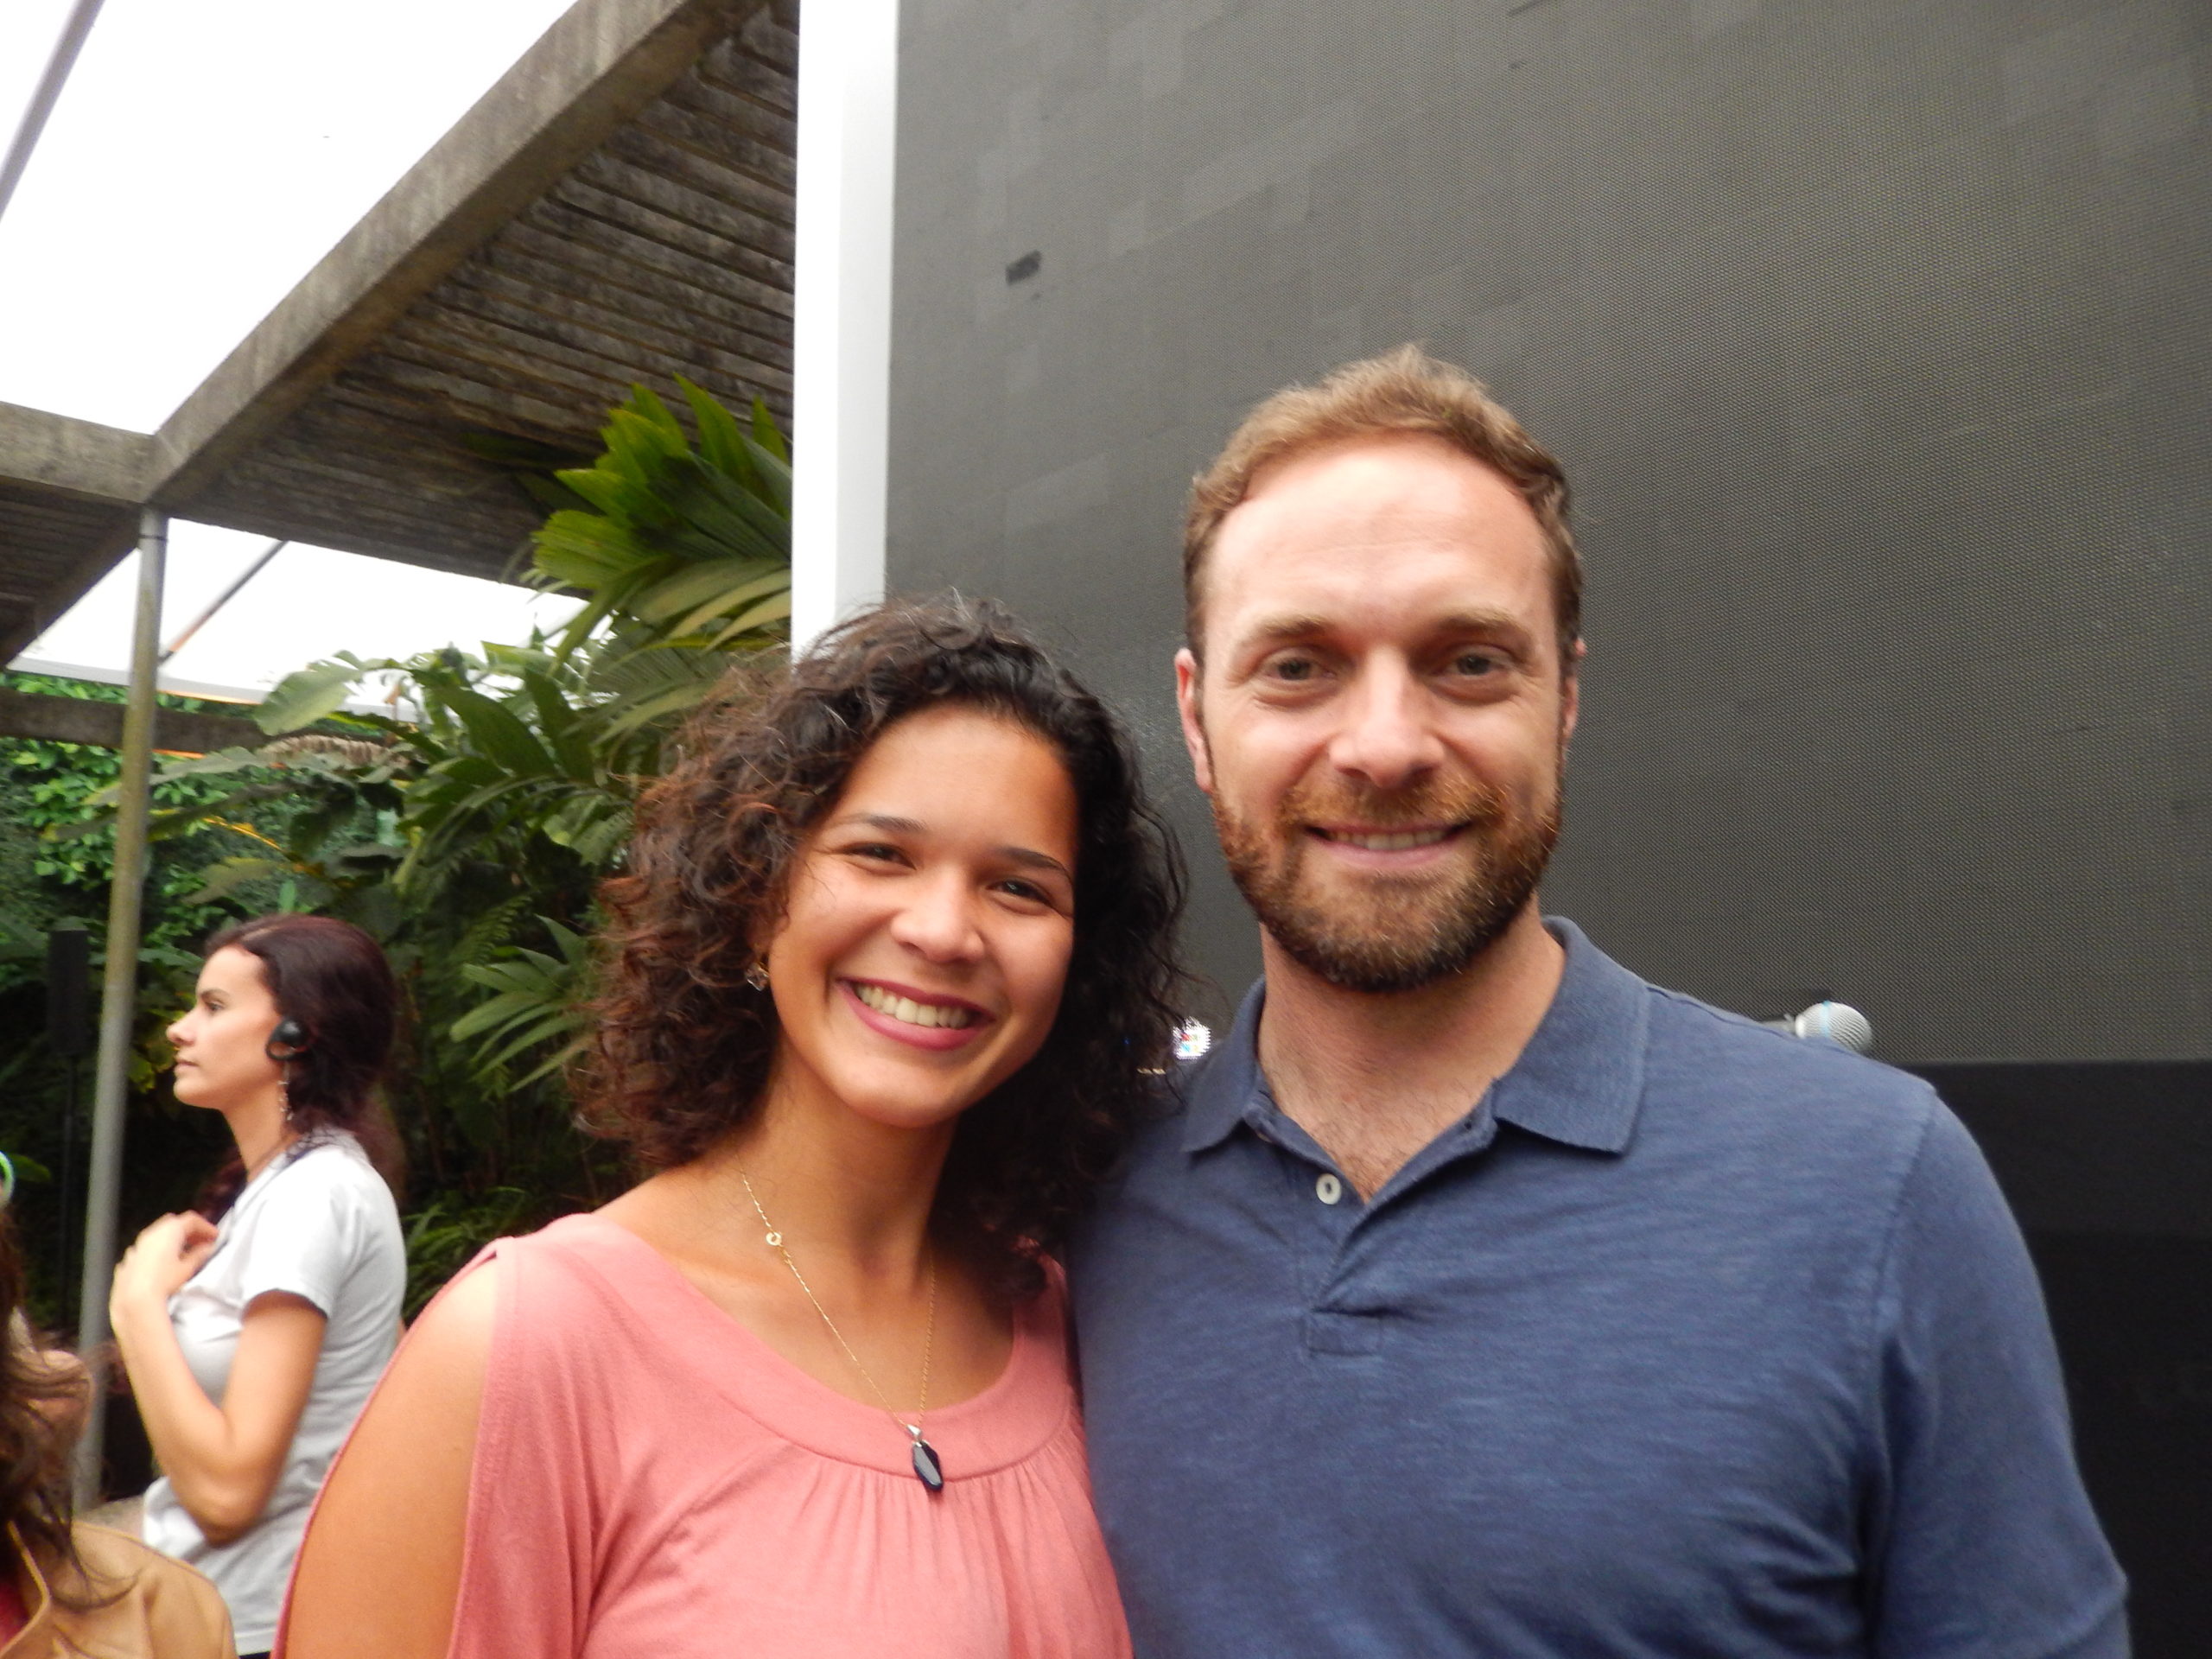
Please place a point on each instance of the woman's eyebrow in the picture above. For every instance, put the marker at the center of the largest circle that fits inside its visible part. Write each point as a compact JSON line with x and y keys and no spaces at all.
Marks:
{"x":1034,"y":859}
{"x":892,"y":825}
{"x":883,"y":821}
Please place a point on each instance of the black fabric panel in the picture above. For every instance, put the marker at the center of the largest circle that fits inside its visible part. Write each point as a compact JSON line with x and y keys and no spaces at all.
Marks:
{"x":1874,"y":335}
{"x":2116,"y":1148}
{"x":2109,"y":1169}
{"x":2134,"y":1316}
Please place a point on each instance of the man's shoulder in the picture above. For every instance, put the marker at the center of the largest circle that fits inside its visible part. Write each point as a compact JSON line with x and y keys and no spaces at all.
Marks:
{"x":1783,"y":1097}
{"x":1687,"y":1032}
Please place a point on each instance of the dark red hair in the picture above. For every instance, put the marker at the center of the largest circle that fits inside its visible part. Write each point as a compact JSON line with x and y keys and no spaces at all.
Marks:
{"x":332,"y":980}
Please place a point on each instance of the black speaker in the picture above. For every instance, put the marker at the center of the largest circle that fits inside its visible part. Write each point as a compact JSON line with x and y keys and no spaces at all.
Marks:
{"x":69,"y":991}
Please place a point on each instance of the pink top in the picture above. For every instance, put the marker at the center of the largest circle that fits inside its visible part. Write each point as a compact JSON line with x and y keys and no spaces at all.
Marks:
{"x":651,"y":1478}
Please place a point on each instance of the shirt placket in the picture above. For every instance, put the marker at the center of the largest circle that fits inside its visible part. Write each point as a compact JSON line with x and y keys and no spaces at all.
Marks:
{"x":1348,"y":1307}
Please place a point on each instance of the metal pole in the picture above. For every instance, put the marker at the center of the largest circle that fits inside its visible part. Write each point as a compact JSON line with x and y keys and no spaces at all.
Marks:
{"x":225,"y":597}
{"x":46,"y":95}
{"x":119,"y":993}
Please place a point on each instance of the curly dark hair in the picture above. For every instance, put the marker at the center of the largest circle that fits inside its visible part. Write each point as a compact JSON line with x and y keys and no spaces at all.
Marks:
{"x":684,"y":1044}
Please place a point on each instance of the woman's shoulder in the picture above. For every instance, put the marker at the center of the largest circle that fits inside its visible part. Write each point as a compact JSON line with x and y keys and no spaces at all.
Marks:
{"x":162,"y":1607}
{"x":582,"y":1275}
{"x":586,"y":1249}
{"x":336,"y":1159}
{"x":327,"y":1173}
{"x":573,"y":1324}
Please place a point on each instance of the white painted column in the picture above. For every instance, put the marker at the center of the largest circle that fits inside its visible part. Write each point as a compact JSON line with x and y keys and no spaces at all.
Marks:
{"x":841,"y":415}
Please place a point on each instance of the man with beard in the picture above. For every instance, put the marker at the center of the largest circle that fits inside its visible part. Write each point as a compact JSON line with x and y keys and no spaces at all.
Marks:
{"x":1478,"y":1297}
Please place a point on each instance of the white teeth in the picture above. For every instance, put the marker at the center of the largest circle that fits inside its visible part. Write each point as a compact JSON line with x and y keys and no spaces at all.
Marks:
{"x":1394,"y":843}
{"x":907,"y":1010}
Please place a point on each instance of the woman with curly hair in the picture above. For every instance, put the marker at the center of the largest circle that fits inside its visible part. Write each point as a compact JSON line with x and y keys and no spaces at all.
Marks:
{"x":886,"y":969}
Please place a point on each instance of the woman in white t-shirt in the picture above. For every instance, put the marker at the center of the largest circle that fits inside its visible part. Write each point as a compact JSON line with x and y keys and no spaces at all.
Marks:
{"x":253,"y":1341}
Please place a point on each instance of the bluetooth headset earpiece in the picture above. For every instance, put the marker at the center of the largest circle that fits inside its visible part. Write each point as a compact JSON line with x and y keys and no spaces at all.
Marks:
{"x":288,"y":1041}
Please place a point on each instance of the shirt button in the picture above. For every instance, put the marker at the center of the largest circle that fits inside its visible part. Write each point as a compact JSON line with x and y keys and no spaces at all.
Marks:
{"x":1328,"y":1189}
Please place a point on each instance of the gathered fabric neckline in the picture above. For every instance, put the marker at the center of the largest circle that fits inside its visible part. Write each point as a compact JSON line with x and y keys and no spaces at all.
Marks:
{"x":1009,"y":1420}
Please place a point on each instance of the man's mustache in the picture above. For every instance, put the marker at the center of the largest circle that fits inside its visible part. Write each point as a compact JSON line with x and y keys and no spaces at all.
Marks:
{"x":1456,"y":801}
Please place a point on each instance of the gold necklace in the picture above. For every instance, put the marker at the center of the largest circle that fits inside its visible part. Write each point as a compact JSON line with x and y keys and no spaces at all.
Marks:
{"x":929,"y":1468}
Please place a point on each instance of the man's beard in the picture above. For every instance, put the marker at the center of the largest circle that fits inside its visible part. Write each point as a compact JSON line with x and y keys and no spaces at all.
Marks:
{"x":1392,"y":933}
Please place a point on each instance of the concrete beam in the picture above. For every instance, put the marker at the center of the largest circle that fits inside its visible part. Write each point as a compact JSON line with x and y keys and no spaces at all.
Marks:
{"x":79,"y":459}
{"x":598,"y":66}
{"x":79,"y":719}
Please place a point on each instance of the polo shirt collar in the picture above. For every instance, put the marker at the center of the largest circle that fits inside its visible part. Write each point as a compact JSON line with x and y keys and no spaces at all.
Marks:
{"x":1579,"y":1082}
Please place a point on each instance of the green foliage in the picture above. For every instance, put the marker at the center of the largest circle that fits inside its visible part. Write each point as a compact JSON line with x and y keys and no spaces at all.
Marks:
{"x":506,"y":797}
{"x":685,"y":546}
{"x":57,"y":850}
{"x":471,"y":836}
{"x":445,"y":1232}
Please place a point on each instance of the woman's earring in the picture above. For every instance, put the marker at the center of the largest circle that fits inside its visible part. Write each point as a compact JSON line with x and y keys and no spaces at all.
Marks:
{"x":285,"y":1093}
{"x":757,"y":975}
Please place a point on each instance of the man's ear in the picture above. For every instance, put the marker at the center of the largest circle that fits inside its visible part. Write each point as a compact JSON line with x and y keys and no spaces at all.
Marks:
{"x":1187,"y":675}
{"x":1570,"y":708}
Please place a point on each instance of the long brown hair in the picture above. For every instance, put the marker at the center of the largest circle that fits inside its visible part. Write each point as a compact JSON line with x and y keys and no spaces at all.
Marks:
{"x":684,"y":1044}
{"x":331,"y":978}
{"x":36,"y":1405}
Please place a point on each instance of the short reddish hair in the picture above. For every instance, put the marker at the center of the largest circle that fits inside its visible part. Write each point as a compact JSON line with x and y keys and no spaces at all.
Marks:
{"x":1402,"y":391}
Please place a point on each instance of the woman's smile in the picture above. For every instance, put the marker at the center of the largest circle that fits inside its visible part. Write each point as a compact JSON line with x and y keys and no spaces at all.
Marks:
{"x":907,"y":1015}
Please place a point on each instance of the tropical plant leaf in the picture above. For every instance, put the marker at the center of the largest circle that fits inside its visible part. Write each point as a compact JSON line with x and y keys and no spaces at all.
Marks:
{"x":221,"y":880}
{"x":767,"y":434}
{"x":721,"y":441}
{"x":769,"y":610}
{"x":302,"y":698}
{"x":504,"y":740}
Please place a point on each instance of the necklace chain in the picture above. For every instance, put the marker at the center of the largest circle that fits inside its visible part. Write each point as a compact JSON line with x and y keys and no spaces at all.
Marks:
{"x":929,"y":1346}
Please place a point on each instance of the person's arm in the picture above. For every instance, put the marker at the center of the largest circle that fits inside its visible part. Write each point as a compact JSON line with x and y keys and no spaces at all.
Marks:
{"x":221,"y":1461}
{"x":1982,"y":1542}
{"x":380,"y":1572}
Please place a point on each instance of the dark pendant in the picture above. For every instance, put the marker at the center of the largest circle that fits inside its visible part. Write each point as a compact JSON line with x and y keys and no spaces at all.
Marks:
{"x":927,"y":1469}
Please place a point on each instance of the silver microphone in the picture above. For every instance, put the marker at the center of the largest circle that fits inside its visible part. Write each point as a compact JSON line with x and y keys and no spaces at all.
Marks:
{"x":1835,"y":1022}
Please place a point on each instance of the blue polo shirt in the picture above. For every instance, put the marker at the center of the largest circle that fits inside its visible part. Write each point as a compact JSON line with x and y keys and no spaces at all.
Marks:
{"x":1689,"y":1339}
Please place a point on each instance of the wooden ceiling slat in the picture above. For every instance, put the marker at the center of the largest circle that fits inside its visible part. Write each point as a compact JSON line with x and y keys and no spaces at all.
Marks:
{"x":583,"y":237}
{"x":740,"y":116}
{"x":766,"y":214}
{"x":556,"y":353}
{"x":755,"y":158}
{"x":772,"y":35}
{"x":686,"y":204}
{"x":518,"y":405}
{"x":601,"y":227}
{"x":734,"y":68}
{"x":51,"y":517}
{"x":673,"y":335}
{"x":666,"y":306}
{"x":309,"y":480}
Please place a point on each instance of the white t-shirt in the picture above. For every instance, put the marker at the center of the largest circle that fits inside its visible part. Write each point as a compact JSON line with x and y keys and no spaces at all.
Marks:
{"x":321,"y":1224}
